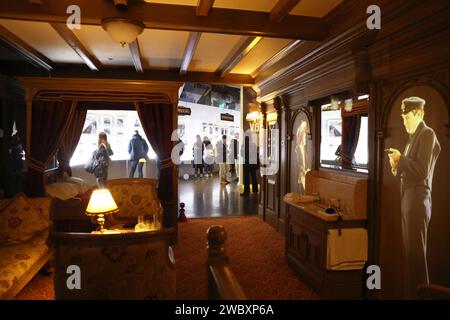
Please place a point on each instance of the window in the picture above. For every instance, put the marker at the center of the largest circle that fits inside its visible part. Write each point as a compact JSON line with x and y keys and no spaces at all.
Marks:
{"x":331,"y":137}
{"x":118,"y":125}
{"x":344,"y":135}
{"x":362,"y":152}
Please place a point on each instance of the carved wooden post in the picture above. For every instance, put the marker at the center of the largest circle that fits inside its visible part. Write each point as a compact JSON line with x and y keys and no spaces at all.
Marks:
{"x":262,"y":154}
{"x":215,"y":251}
{"x":215,"y":248}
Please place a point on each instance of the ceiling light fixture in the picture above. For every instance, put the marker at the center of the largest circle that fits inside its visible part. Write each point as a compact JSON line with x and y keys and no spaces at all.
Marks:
{"x":121,"y":30}
{"x":334,"y":103}
{"x":348,"y":105}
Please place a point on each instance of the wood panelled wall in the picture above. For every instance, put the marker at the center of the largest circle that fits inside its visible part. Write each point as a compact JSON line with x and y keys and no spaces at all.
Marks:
{"x":12,"y":109}
{"x":409,"y":52}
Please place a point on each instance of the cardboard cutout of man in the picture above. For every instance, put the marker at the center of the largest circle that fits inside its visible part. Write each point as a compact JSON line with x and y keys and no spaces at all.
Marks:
{"x":415,"y":167}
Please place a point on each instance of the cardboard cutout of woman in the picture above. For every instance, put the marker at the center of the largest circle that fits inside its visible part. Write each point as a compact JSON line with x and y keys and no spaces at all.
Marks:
{"x":300,"y":146}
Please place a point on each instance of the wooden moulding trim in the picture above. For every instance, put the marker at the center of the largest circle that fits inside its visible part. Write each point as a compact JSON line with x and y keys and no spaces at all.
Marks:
{"x":326,"y":47}
{"x":30,"y":54}
{"x":277,"y":57}
{"x":91,"y":87}
{"x":111,"y":239}
{"x":102,"y":96}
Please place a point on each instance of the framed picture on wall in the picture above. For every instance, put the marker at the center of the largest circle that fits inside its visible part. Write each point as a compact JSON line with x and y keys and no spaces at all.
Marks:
{"x":91,"y":124}
{"x":334,"y":128}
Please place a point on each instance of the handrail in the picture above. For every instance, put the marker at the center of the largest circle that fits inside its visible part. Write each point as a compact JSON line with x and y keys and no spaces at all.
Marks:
{"x":222,"y":283}
{"x":433,"y":291}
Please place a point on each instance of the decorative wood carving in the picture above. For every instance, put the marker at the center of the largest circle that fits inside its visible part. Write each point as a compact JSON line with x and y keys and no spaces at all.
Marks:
{"x":114,"y":89}
{"x":395,"y":89}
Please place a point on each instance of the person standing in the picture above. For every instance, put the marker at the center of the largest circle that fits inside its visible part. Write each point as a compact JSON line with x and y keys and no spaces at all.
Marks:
{"x":197,"y":152}
{"x":249,"y":154}
{"x":221,"y":158}
{"x":233,"y":158}
{"x":415,"y":167}
{"x":138,"y":150}
{"x":208,"y":157}
{"x":103,"y":154}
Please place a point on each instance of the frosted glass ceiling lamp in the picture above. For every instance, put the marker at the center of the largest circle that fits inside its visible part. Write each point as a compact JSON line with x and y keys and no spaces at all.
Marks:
{"x":334,"y":104}
{"x":123,"y":31}
{"x":348,"y":106}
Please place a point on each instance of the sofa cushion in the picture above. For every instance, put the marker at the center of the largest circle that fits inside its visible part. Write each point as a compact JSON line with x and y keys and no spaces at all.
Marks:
{"x":20,"y":221}
{"x":16,"y":260}
{"x":134,"y":197}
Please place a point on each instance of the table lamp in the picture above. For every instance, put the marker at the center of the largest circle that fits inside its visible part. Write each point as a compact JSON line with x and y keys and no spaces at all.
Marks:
{"x":100,"y":204}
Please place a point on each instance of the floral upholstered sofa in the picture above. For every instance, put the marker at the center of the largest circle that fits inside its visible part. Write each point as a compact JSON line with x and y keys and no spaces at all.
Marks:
{"x":24,"y":233}
{"x":134,"y":265}
{"x":134,"y":197}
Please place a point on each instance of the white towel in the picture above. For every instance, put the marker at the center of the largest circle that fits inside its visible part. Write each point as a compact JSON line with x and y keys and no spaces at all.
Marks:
{"x":347,"y":251}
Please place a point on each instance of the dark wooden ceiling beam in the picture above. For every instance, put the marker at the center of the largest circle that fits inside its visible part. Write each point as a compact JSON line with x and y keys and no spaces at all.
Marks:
{"x":173,"y":17}
{"x":32,"y":55}
{"x":203,"y":7}
{"x":136,"y":56}
{"x":71,"y":39}
{"x":243,"y":50}
{"x":281,"y":10}
{"x":189,"y":52}
{"x":61,"y":70}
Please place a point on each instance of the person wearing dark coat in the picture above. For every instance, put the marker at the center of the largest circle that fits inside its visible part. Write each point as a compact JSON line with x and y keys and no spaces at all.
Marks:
{"x":138,"y":150}
{"x":249,"y":154}
{"x":415,"y":168}
{"x":103,"y":154}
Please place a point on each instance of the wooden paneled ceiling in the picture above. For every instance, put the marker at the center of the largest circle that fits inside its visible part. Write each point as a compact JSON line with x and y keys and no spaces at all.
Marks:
{"x":211,"y":40}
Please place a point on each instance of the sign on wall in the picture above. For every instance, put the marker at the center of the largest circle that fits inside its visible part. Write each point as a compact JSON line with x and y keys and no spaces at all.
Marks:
{"x":226,"y":117}
{"x":183,"y":111}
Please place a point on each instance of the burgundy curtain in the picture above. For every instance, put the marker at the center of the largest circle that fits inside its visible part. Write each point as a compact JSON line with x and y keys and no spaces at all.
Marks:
{"x":49,"y":123}
{"x":157,"y":122}
{"x":70,"y":140}
{"x":350,"y":137}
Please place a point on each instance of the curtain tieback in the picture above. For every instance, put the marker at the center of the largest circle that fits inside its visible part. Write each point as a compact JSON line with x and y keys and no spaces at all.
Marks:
{"x":36,"y":165}
{"x":166,"y":163}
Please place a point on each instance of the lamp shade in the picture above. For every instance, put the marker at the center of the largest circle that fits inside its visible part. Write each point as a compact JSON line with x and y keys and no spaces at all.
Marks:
{"x":334,"y":104}
{"x":253,"y":116}
{"x":123,"y":31}
{"x":101,"y":202}
{"x":348,"y":106}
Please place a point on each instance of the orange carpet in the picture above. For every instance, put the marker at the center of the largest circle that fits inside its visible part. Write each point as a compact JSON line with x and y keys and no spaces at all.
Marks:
{"x":256,"y":254}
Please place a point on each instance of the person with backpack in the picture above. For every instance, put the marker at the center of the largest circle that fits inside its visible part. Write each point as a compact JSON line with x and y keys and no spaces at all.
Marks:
{"x":102,"y":159}
{"x":138,"y":149}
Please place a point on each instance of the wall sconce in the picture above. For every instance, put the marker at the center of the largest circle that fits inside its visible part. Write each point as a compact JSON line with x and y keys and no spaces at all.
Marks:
{"x":272,"y":117}
{"x":334,"y":103}
{"x":254,"y":116}
{"x":348,"y":105}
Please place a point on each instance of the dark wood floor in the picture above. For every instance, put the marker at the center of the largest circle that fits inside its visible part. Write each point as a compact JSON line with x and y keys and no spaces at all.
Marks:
{"x":206,"y":197}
